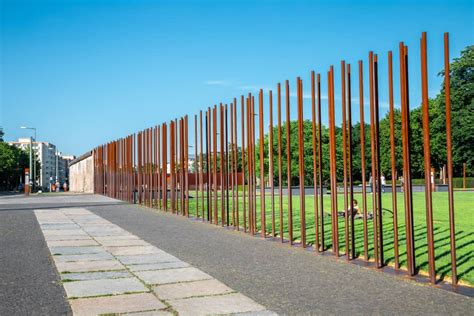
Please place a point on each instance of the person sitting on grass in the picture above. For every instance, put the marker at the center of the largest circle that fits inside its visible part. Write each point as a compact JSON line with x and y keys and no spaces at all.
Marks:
{"x":354,"y":210}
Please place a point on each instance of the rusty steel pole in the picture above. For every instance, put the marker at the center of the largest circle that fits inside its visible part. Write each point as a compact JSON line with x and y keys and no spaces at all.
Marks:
{"x":270,"y":158}
{"x":201,"y":166}
{"x":320,"y":163}
{"x":344,"y":158}
{"x":332,"y":143}
{"x":221,"y":167}
{"x":214,"y":147}
{"x":236,"y":160}
{"x":242,"y":112}
{"x":349,"y":157}
{"x":405,"y":113}
{"x":301,"y":161}
{"x":262,"y":165}
{"x":427,"y":159}
{"x":226,"y":163}
{"x":374,"y":178}
{"x":280,"y":188}
{"x":288,"y":164}
{"x":447,"y":100}
{"x":208,"y":165}
{"x":377,"y":157}
{"x":393,"y":163}
{"x":362,"y":158}
{"x":232,"y":162}
{"x":315,"y":162}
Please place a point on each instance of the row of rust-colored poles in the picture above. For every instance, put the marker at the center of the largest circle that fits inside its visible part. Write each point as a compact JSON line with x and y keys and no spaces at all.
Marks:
{"x":152,"y":168}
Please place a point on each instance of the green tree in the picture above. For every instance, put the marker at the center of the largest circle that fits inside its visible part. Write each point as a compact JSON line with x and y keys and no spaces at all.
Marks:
{"x":13,"y":161}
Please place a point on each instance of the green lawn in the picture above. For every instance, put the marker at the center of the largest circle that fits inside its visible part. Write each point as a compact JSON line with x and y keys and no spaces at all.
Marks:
{"x":464,"y":209}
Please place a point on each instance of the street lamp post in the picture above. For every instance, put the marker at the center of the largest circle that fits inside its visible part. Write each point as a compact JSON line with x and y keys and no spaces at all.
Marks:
{"x":32,"y":162}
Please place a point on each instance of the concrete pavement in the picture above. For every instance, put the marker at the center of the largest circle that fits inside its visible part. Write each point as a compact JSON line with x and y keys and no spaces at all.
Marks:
{"x":283,"y":279}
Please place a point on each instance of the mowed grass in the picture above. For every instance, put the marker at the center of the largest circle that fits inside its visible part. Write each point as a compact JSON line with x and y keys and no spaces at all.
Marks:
{"x":464,"y":219}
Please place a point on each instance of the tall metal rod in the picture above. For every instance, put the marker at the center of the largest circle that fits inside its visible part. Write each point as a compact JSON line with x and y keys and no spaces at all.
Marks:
{"x":164,"y":167}
{"x":362,"y":159}
{"x":394,"y":163}
{"x":349,"y":157}
{"x":315,"y":162}
{"x":270,"y":158}
{"x":186,"y":161}
{"x":377,"y":161}
{"x":427,"y":159}
{"x":288,"y":164}
{"x":262,"y":165}
{"x":407,"y":189}
{"x":447,"y":100}
{"x":242,"y":114}
{"x":172,"y":167}
{"x":226,"y":166}
{"x":201,"y":165}
{"x":332,"y":142}
{"x":347,"y":208}
{"x":214,"y":162}
{"x":301,"y":162}
{"x":232,"y":161}
{"x":280,"y":188}
{"x":208,"y":165}
{"x":320,"y":164}
{"x":221,"y":165}
{"x":196,"y":166}
{"x":236,"y":160}
{"x":249,"y":164}
{"x":253,"y":195}
{"x":375,"y":180}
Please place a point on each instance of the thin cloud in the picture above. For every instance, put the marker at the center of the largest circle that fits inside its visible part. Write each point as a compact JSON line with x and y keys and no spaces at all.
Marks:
{"x":216,"y":83}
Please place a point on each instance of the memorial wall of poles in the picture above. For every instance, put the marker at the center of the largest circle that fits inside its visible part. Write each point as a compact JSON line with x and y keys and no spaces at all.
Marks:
{"x":152,"y":167}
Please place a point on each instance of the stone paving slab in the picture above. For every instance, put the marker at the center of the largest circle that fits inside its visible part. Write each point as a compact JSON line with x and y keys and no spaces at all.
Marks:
{"x":75,"y":250}
{"x":191,"y":289}
{"x":151,"y":258}
{"x":134,"y":250}
{"x":157,"y":266}
{"x":96,"y":275}
{"x":85,"y":257}
{"x":212,"y":305}
{"x":67,"y":237}
{"x":103,"y":287}
{"x":64,"y":232}
{"x":172,"y":275}
{"x":72,"y":243}
{"x":59,"y":226}
{"x":116,"y":304}
{"x":150,"y":313}
{"x":122,"y":242}
{"x":109,"y":238}
{"x":89,"y":266}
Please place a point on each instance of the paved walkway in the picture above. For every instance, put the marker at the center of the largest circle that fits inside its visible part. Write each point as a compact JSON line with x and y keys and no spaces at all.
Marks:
{"x":105,"y":269}
{"x":283,"y":279}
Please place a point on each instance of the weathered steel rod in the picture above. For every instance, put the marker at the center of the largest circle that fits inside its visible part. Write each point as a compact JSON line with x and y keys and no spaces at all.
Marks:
{"x":427,"y":159}
{"x":280,"y":188}
{"x":262,"y":165}
{"x":288,"y":164}
{"x":447,"y":92}
{"x":315,"y":162}
{"x":393,"y":163}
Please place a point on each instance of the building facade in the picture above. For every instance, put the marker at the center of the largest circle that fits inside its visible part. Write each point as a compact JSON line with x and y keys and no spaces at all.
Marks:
{"x":53,"y":165}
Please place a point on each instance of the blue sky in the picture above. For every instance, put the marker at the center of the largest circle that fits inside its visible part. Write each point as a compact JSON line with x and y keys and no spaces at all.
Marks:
{"x":85,"y":72}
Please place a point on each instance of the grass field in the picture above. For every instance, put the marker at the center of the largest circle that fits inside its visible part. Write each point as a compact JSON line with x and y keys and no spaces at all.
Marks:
{"x":464,"y":218}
